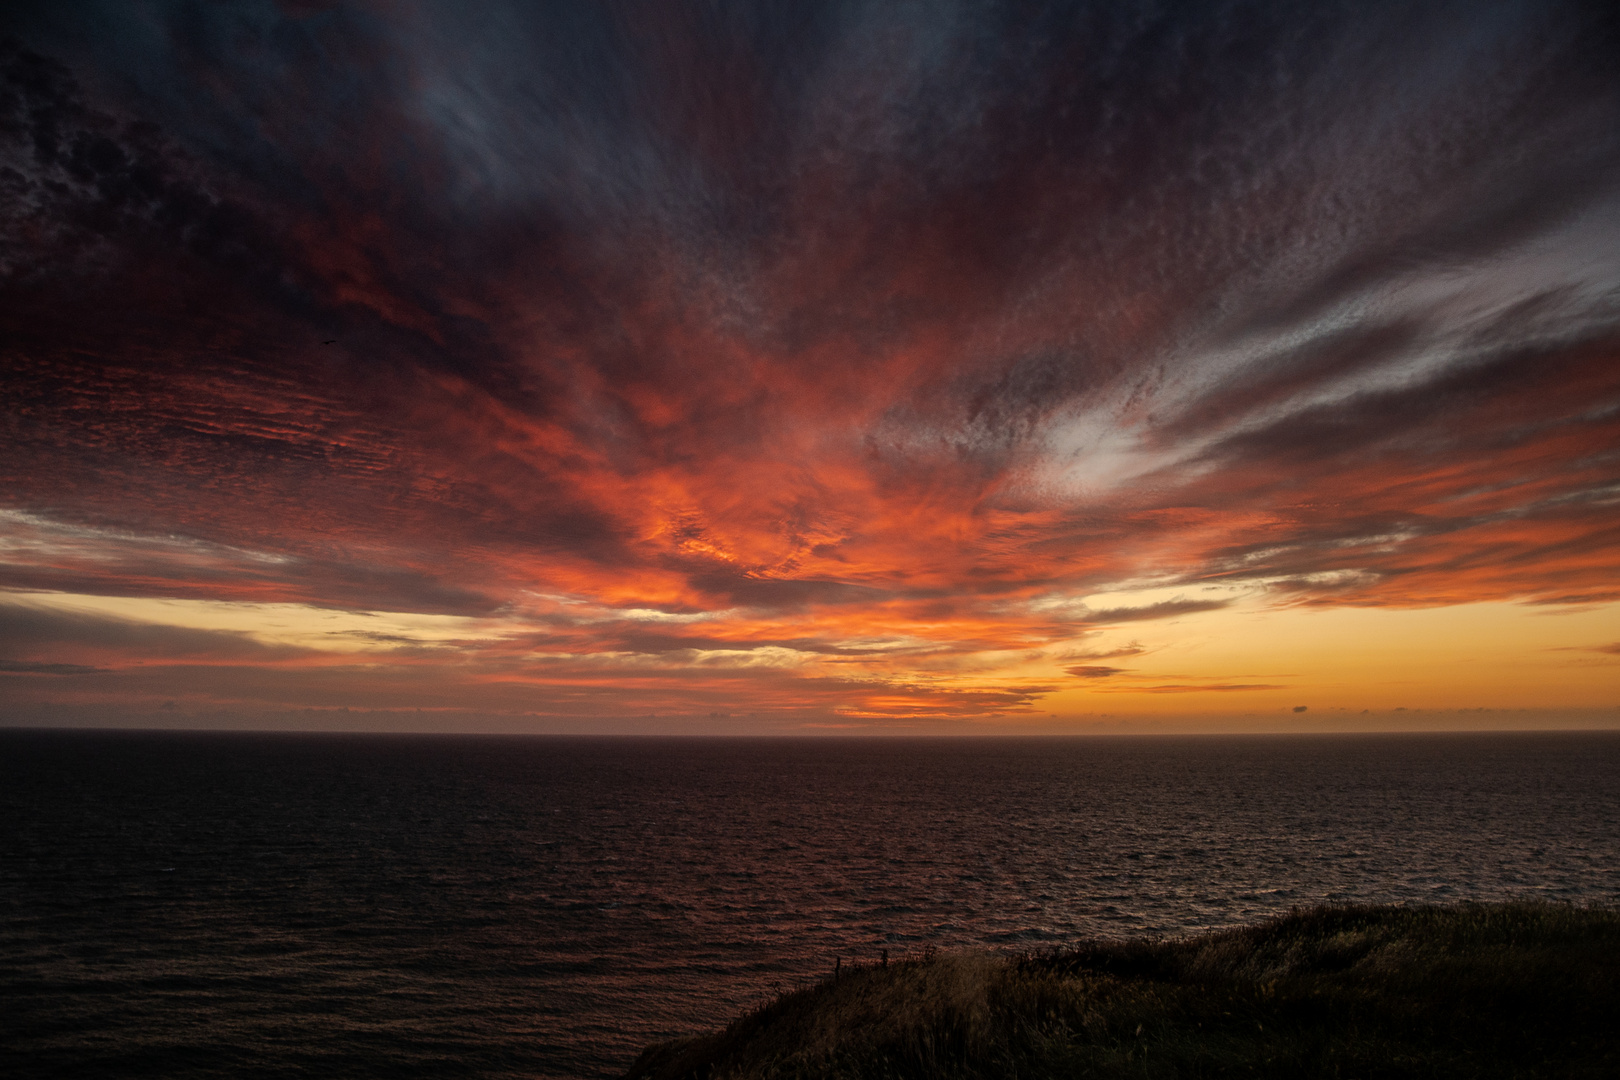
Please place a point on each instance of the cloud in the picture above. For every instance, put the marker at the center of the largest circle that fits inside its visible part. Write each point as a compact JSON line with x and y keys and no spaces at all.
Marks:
{"x":1202,"y":688}
{"x":20,"y":668}
{"x":848,"y":332}
{"x":1163,"y":610}
{"x":1133,"y":649}
{"x":1612,"y":649}
{"x":1093,"y":671}
{"x":28,"y":631}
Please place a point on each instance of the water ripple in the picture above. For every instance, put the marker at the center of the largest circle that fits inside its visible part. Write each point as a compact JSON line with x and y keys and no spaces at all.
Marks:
{"x":210,"y":905}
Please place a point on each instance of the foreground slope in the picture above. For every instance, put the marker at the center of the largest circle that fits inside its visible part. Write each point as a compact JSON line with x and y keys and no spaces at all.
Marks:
{"x":1501,"y":990}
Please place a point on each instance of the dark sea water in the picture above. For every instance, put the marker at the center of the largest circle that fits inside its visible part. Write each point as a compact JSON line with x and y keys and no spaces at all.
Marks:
{"x":189,"y":905}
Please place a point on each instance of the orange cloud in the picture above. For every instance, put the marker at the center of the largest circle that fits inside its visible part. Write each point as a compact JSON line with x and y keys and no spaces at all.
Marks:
{"x":794,"y":383}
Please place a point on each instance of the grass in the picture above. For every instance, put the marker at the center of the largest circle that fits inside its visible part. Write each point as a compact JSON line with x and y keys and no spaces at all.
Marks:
{"x":1512,"y":990}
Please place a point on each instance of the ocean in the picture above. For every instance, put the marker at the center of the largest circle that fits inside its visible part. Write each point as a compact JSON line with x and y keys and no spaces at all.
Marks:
{"x":277,"y":905}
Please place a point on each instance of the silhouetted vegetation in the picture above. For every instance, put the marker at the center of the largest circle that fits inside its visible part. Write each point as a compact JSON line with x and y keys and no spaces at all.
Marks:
{"x":1523,"y":990}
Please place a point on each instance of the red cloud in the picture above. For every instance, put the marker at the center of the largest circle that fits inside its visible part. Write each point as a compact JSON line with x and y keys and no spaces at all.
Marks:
{"x":801,"y":392}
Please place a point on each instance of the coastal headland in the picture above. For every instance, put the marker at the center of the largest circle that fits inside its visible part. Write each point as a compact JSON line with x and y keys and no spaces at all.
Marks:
{"x":1522,"y":990}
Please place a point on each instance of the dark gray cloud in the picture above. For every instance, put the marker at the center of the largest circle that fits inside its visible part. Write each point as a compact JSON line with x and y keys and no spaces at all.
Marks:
{"x":1094,"y":671}
{"x":1165,"y":609}
{"x":26,"y":631}
{"x":14,"y":667}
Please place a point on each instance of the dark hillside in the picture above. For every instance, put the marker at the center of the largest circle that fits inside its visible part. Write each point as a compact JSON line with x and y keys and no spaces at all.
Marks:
{"x":1520,"y":990}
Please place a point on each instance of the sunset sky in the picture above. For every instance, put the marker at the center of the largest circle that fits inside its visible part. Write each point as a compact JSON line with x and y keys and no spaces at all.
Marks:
{"x":810,"y":366}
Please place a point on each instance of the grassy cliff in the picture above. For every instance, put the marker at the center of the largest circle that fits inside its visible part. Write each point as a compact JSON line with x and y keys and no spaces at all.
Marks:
{"x":1522,"y":990}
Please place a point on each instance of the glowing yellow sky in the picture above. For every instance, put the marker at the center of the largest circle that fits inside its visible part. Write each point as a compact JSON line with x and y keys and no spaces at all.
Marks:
{"x":1251,"y":660}
{"x":1490,"y":655}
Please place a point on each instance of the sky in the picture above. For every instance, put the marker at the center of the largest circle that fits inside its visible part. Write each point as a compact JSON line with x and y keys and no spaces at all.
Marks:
{"x":810,"y":367}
